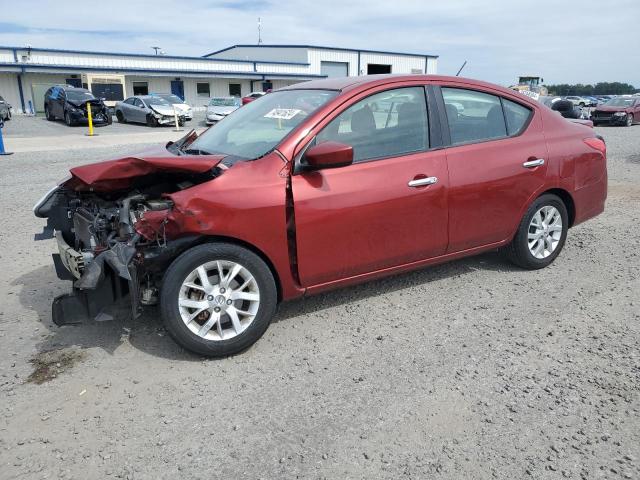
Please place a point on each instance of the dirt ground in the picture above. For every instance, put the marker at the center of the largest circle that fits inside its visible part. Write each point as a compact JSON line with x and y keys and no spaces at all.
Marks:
{"x":469,"y":370}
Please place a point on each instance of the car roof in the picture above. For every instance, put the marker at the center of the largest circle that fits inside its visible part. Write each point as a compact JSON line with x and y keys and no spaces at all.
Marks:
{"x":364,"y":82}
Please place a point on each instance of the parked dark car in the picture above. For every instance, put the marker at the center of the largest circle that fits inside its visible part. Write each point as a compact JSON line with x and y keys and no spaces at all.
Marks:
{"x":5,"y":109}
{"x":617,"y":111}
{"x":311,"y":188}
{"x":70,"y":104}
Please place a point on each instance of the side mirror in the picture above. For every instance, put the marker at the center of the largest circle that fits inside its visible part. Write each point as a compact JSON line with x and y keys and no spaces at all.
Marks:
{"x":328,"y":155}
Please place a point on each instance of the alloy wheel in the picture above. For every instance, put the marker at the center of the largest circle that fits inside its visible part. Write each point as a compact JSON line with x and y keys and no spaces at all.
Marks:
{"x":219,"y":300}
{"x":545,"y":232}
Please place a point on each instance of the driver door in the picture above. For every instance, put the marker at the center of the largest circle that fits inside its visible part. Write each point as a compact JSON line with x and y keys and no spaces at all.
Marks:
{"x":388,"y":208}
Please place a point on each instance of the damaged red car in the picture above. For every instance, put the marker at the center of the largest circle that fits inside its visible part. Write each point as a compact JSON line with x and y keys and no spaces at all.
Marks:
{"x":319,"y":185}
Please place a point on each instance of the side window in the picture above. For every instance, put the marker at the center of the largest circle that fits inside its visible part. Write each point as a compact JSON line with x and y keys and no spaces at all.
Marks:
{"x":387,"y":124}
{"x":138,"y":103}
{"x":473,"y":116}
{"x":517,"y":116}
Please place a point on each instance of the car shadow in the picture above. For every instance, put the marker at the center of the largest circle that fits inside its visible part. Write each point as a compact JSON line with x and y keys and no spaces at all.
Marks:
{"x":146,"y":333}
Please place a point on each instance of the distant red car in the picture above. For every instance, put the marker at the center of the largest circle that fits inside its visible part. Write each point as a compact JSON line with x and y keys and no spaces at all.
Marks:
{"x":317,"y":186}
{"x":617,"y":111}
{"x":252,"y":96}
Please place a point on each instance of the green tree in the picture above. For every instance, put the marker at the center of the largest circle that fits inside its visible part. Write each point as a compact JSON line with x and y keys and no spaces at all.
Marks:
{"x":601,"y":88}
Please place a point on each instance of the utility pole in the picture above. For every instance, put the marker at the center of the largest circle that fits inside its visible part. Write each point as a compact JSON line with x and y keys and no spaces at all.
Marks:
{"x":259,"y":32}
{"x":157,"y":49}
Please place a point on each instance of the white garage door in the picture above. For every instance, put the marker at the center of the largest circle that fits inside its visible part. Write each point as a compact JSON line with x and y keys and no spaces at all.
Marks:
{"x":334,"y":69}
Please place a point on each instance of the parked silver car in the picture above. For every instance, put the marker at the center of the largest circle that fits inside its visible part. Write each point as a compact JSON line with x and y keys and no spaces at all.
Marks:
{"x":148,"y":109}
{"x":5,"y":110}
{"x":220,"y":107}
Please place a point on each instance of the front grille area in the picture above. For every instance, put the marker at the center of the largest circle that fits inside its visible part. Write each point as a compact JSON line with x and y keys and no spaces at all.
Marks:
{"x":603,"y":115}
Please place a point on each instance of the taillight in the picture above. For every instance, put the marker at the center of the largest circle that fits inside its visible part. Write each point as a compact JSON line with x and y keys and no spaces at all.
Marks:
{"x":597,"y":143}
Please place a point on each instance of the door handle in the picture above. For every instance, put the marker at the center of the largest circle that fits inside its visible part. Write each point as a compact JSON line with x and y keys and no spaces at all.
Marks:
{"x":533,"y":163}
{"x":421,"y":182}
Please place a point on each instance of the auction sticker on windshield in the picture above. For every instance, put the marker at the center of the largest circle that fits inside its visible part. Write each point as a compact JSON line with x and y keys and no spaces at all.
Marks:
{"x":282,"y":113}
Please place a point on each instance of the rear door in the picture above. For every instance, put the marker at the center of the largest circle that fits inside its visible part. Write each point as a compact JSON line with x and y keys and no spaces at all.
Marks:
{"x":497,"y":161}
{"x":389,"y":207}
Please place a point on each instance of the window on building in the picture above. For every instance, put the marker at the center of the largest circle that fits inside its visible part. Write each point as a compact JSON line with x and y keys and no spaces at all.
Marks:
{"x":140,"y":88}
{"x":334,"y":69}
{"x":473,"y":116}
{"x":387,"y":124}
{"x":235,"y":90}
{"x":377,"y":69}
{"x":202,"y":89}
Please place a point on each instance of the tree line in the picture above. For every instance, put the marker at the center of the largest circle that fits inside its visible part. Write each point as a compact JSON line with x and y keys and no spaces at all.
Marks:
{"x":602,"y":88}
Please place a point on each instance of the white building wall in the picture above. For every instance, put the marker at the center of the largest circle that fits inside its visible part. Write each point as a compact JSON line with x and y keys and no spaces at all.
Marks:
{"x":30,"y":79}
{"x":131,"y":62}
{"x":282,"y":54}
{"x":432,"y":66}
{"x":6,"y":56}
{"x":399,"y":63}
{"x":9,"y":90}
{"x":218,"y":87}
{"x":316,"y":56}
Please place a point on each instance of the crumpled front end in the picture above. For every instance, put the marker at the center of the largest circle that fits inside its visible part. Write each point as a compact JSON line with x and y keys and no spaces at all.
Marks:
{"x":114,"y":239}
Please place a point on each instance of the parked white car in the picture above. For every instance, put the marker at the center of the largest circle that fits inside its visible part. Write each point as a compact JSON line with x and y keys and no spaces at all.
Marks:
{"x":220,"y":107}
{"x":578,"y":101}
{"x":183,"y":108}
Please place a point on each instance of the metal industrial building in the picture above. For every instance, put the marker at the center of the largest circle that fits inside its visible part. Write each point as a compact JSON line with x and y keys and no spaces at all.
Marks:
{"x":26,"y":73}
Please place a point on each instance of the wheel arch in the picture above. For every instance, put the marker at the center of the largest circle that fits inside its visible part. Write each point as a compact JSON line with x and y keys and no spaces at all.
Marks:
{"x":567,"y":199}
{"x":241,"y":243}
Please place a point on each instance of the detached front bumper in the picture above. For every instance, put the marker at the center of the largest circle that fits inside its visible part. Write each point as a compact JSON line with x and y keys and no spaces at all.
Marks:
{"x":99,"y":287}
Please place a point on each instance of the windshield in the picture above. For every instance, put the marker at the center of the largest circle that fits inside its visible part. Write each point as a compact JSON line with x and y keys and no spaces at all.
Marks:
{"x":256,"y":128}
{"x":79,"y":95}
{"x":224,"y":102}
{"x":620,"y":102}
{"x":156,"y":101}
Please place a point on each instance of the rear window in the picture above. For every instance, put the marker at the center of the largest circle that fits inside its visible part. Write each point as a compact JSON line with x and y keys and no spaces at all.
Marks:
{"x":516,"y":115}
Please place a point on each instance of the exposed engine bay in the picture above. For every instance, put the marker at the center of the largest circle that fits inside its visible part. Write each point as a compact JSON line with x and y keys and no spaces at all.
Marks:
{"x":113,"y":243}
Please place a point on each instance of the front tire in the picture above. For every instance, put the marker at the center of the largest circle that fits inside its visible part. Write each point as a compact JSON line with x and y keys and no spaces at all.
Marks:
{"x":541,"y":234}
{"x":217,"y":299}
{"x":67,"y":119}
{"x":629,"y":120}
{"x":152,"y":121}
{"x":120,"y":117}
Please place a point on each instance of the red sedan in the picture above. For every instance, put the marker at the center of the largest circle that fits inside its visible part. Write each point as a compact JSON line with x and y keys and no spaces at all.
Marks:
{"x":317,"y":186}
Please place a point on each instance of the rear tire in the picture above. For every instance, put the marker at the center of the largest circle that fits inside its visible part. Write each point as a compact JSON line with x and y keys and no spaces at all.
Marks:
{"x":47,"y":114}
{"x":188,"y":304}
{"x":541,"y":234}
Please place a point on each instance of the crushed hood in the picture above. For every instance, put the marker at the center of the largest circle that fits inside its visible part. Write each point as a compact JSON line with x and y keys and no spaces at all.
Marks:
{"x":118,"y":174}
{"x":164,"y":109}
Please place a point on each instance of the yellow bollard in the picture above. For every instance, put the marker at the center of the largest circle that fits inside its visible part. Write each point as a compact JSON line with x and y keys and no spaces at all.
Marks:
{"x":90,"y":134}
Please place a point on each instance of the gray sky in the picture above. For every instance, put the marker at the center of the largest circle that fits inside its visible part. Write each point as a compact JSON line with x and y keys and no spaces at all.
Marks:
{"x":564,"y":41}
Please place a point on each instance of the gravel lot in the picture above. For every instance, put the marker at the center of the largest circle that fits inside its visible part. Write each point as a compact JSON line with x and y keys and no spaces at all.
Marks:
{"x":470,"y":370}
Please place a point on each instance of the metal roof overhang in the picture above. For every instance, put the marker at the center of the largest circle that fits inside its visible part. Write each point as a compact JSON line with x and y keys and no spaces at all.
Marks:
{"x":41,"y":68}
